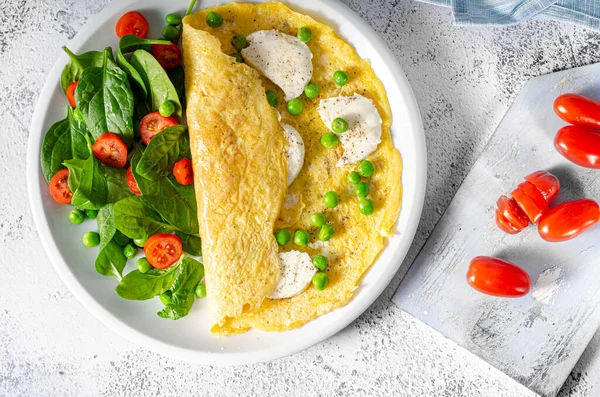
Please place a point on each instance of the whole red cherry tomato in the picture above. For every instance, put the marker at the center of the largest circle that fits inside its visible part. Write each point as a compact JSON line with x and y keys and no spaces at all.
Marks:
{"x":496,"y":277}
{"x":578,"y":109}
{"x":509,"y":217}
{"x":183,"y":172}
{"x":569,"y":220}
{"x":131,"y":182}
{"x":530,"y":200}
{"x":580,"y":145}
{"x":546,"y":183}
{"x":132,"y":22}
{"x":111,"y":150}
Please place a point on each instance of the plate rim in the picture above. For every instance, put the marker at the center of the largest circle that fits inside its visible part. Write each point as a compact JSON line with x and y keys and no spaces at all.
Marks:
{"x":225,"y":358}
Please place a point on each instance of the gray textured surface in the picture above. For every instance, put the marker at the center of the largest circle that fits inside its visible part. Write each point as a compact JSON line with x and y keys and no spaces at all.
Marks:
{"x":538,"y":339}
{"x":464,"y":80}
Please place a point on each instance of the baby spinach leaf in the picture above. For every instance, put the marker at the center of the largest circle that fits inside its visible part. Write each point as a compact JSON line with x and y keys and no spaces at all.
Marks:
{"x":130,"y":43}
{"x":92,"y":192}
{"x":175,"y":203}
{"x":177,"y":77}
{"x":161,"y":154}
{"x":111,"y":261}
{"x":77,"y":64}
{"x":79,"y":145}
{"x":106,"y":225}
{"x":135,"y":218}
{"x":105,"y":99}
{"x":142,"y":286}
{"x":183,"y":289}
{"x":184,"y":147}
{"x":74,"y":166}
{"x":157,"y":81}
{"x":116,"y":181}
{"x":191,"y":244}
{"x":64,"y":141}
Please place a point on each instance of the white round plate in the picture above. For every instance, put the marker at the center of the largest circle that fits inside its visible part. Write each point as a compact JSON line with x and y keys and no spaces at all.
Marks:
{"x":189,"y":338}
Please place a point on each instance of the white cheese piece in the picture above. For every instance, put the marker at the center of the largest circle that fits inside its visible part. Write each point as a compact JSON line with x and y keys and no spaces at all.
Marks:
{"x":297,"y":272}
{"x":364,"y":125}
{"x":294,"y":151}
{"x":283,"y":59}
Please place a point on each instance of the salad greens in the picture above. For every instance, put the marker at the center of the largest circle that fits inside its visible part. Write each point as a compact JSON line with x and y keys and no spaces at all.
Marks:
{"x":114,"y":97}
{"x":156,"y":80}
{"x":105,"y":99}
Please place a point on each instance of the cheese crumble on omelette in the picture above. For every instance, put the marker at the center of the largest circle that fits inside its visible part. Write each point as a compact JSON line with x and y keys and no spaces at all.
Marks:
{"x":240,"y":251}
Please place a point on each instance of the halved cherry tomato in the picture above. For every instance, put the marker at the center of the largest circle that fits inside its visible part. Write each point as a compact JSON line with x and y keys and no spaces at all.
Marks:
{"x":496,"y":277}
{"x":183,"y":171}
{"x":580,"y":145}
{"x":111,"y":150}
{"x":546,"y":183}
{"x":154,"y":123}
{"x":509,"y":217}
{"x":163,"y":250}
{"x":578,"y":109}
{"x":131,"y":182}
{"x":168,"y":55}
{"x":70,"y":93}
{"x":59,"y":187}
{"x":530,"y":200}
{"x":132,"y":22}
{"x":569,"y":220}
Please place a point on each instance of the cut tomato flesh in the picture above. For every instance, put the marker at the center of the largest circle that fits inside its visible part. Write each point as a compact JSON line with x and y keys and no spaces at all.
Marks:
{"x":509,"y":216}
{"x":546,"y":183}
{"x":530,"y":200}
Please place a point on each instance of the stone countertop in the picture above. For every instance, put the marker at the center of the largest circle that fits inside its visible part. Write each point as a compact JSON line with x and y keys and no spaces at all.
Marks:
{"x":464,"y":80}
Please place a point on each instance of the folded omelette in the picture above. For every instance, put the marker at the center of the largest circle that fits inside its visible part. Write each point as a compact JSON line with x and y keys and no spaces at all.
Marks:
{"x":240,"y":171}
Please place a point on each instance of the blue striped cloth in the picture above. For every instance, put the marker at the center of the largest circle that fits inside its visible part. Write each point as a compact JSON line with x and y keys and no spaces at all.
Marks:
{"x":507,"y":12}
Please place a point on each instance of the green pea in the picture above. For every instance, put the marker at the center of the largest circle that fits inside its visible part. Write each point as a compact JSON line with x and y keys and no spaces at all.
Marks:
{"x":339,"y":125}
{"x":121,"y":239}
{"x":329,"y":140}
{"x":76,"y":216}
{"x":294,"y":107}
{"x":282,"y":236}
{"x":201,"y":290}
{"x":140,"y":242}
{"x":167,"y":108}
{"x":320,"y":280}
{"x":366,"y":206}
{"x":318,"y":220}
{"x":143,"y":265}
{"x":271,"y":98}
{"x":320,"y":262}
{"x":312,"y":91}
{"x":330,"y":199}
{"x":366,"y":168}
{"x":362,"y":189}
{"x":173,"y":19}
{"x":238,"y":57}
{"x":91,"y":239}
{"x":304,"y":34}
{"x":78,"y":115}
{"x":165,"y":297}
{"x":340,"y":78}
{"x":130,"y":251}
{"x":326,"y":233}
{"x":301,"y":238}
{"x":91,"y":214}
{"x":239,"y":42}
{"x":170,"y":32}
{"x":354,"y":177}
{"x":214,"y":20}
